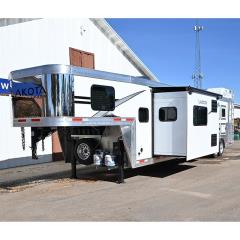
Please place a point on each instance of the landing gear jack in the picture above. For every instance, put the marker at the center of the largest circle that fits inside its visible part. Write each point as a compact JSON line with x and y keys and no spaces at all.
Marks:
{"x":72,"y":160}
{"x":121,"y":162}
{"x":120,"y":174}
{"x":73,"y":169}
{"x":68,"y":144}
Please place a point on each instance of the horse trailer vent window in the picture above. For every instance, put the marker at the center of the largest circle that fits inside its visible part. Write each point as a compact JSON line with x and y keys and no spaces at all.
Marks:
{"x":143,"y":115}
{"x":214,"y":105}
{"x":102,"y":98}
{"x":168,"y":114}
{"x":223,"y":112}
{"x":213,"y":140}
{"x":199,"y":116}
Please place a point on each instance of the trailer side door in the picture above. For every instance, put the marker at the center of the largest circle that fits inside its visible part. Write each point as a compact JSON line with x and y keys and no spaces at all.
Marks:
{"x":170,"y":123}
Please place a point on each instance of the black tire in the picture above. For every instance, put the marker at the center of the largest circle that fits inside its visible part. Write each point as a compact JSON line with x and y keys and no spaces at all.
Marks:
{"x":84,"y":150}
{"x":221,"y":147}
{"x":220,"y":150}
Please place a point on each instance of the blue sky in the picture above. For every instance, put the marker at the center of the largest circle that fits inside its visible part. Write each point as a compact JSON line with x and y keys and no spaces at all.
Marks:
{"x":167,"y":47}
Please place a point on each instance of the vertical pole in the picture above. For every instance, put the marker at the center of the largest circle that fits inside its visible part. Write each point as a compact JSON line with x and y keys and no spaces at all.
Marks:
{"x":34,"y":143}
{"x":120,"y":173}
{"x":70,"y":154}
{"x":67,"y":144}
{"x":73,"y":168}
{"x":121,"y":163}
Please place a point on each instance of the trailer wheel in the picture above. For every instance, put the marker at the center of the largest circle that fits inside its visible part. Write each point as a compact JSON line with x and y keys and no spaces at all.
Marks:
{"x":84,"y":150}
{"x":220,"y":151}
{"x":221,"y":148}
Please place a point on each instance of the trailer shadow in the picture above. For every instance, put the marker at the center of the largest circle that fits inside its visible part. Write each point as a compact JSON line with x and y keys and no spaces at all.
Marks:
{"x":165,"y":169}
{"x":158,"y":170}
{"x":91,"y":174}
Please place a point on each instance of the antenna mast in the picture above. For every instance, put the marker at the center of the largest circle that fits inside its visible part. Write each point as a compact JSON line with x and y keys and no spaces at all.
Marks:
{"x":197,"y":75}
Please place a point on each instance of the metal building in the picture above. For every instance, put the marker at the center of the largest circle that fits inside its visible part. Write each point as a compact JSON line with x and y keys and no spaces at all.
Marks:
{"x":90,"y":43}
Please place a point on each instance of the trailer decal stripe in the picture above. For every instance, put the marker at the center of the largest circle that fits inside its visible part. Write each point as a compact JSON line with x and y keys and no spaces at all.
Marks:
{"x":117,"y":103}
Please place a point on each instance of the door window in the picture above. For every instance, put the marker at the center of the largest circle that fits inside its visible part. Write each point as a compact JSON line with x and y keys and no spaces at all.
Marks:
{"x":168,"y":114}
{"x":199,"y":116}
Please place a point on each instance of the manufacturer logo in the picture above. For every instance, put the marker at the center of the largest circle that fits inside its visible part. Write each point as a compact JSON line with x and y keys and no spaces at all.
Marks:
{"x":20,"y":89}
{"x":28,"y":91}
{"x":203,"y":102}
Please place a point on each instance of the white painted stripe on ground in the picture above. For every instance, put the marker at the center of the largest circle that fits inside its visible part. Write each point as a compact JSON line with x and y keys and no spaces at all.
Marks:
{"x":191,"y":193}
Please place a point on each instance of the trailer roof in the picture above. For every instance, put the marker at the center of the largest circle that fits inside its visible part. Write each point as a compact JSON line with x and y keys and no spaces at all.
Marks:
{"x":186,"y":89}
{"x":85,"y":72}
{"x":236,"y":105}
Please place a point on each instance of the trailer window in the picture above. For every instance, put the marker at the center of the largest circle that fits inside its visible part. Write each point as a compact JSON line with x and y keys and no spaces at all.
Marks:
{"x":168,"y":114}
{"x":143,"y":115}
{"x":213,"y":140}
{"x":27,"y":107}
{"x":214,"y":105}
{"x":223,"y":112}
{"x":102,"y":98}
{"x":199,"y":116}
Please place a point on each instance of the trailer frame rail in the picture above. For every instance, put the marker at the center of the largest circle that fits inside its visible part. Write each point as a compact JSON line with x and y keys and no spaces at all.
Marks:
{"x":72,"y":121}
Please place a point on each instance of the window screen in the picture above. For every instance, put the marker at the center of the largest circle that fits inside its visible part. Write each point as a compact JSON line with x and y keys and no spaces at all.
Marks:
{"x":223,"y":112}
{"x":102,"y":98}
{"x":199,"y":116}
{"x":143,"y":114}
{"x":168,"y":114}
{"x":214,"y":105}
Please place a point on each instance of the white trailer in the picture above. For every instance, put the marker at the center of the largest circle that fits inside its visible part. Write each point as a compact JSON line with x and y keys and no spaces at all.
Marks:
{"x":110,"y":119}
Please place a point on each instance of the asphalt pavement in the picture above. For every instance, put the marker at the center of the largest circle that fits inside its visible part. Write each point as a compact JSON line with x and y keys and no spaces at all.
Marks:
{"x":206,"y":189}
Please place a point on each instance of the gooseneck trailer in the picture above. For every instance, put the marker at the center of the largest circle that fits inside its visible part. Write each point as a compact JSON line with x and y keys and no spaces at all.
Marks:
{"x":115,"y":120}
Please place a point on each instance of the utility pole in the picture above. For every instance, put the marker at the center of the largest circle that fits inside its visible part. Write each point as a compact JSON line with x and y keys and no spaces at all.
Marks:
{"x":197,"y":75}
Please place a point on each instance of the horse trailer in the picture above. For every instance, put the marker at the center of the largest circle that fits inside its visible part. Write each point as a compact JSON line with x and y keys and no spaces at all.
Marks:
{"x":116,"y":120}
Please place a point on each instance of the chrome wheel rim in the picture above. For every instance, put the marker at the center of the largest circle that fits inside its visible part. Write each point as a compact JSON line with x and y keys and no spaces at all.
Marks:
{"x":83,"y":151}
